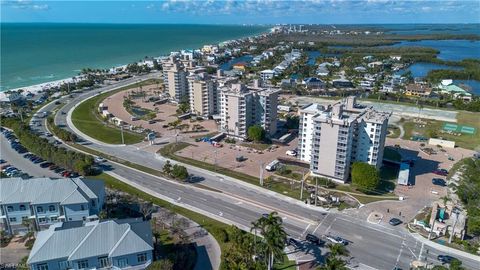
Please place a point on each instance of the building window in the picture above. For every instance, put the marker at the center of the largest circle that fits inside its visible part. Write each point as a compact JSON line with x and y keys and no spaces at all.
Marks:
{"x":42,"y":266}
{"x":51,"y":208}
{"x":142,"y":257}
{"x":63,"y":265}
{"x":82,"y":207}
{"x":9,"y":208}
{"x":13,"y":219}
{"x":53,"y":219}
{"x":42,"y":220}
{"x":82,"y":264}
{"x":24,"y":218}
{"x":122,"y":262}
{"x":22,"y":207}
{"x":103,"y":262}
{"x":39,"y":209}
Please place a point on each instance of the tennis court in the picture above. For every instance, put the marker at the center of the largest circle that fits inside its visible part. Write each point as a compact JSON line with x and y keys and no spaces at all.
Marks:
{"x":458,"y":128}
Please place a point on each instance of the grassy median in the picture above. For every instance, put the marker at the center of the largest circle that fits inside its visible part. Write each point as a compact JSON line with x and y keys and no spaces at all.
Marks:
{"x":86,"y":118}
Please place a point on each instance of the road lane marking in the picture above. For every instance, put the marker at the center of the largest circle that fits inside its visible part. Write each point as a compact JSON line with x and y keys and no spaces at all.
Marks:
{"x":400,"y":253}
{"x":316,"y":228}
{"x":421,"y":251}
{"x":371,"y":228}
{"x":305,"y":231}
{"x":329,"y":227}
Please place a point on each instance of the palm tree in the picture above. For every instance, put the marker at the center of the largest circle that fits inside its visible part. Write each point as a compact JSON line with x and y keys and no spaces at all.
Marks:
{"x":333,"y":263}
{"x":333,"y":260}
{"x":338,"y":250}
{"x":274,"y":236}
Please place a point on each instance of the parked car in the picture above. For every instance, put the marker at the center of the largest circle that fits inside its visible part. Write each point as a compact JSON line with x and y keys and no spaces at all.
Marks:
{"x":2,"y":161}
{"x":59,"y":170}
{"x":446,"y":258}
{"x":100,"y":160}
{"x":313,"y":239}
{"x":291,"y":153}
{"x":66,"y":174}
{"x":439,"y":182}
{"x":336,"y":239}
{"x":441,"y":172}
{"x":395,"y":222}
{"x":45,"y":164}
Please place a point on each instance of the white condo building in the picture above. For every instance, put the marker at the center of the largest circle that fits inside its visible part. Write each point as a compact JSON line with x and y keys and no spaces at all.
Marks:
{"x":332,"y":138}
{"x":242,"y":107}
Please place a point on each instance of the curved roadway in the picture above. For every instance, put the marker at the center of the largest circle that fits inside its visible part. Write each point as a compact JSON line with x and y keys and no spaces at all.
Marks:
{"x":373,"y":246}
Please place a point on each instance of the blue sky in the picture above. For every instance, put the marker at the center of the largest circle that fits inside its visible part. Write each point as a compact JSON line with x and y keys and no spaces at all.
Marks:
{"x":243,"y":11}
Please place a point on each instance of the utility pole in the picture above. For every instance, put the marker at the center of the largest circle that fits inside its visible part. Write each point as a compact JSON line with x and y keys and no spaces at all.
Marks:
{"x":301,"y":188}
{"x":121,"y":133}
{"x":316,"y":190}
{"x":456,"y":212}
{"x":261,"y":174}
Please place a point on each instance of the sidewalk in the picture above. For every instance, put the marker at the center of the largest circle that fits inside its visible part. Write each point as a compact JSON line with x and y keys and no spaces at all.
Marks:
{"x":443,"y":248}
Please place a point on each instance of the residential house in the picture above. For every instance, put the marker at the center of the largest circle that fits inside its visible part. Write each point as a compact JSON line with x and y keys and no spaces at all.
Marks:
{"x":111,"y":244}
{"x":418,"y":90}
{"x":44,"y":201}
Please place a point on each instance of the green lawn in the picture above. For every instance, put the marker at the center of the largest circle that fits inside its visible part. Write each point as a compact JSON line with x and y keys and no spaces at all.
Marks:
{"x":394,"y":132}
{"x":257,"y":146}
{"x":433,"y":127}
{"x":86,"y":119}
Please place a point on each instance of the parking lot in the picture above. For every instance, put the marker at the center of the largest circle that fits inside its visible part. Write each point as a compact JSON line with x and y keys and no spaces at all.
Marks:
{"x":422,"y":192}
{"x":226,"y":156}
{"x":165,"y":113}
{"x":17,"y":162}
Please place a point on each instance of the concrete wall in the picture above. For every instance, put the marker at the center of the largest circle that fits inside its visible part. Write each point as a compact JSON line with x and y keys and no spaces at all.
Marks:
{"x":443,"y":143}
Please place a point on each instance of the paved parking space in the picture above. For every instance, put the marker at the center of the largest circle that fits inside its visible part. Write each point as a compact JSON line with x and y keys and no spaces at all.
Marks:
{"x":165,"y":113}
{"x":422,"y":193}
{"x":17,"y":160}
{"x":226,"y":156}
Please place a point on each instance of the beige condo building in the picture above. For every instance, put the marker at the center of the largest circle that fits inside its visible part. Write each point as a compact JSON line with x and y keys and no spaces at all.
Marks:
{"x":242,"y":107}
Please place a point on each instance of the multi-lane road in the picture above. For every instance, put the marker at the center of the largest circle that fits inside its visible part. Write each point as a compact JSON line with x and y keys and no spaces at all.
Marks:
{"x":229,"y":200}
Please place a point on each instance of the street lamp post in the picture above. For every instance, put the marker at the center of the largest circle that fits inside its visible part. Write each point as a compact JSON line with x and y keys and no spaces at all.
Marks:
{"x":121,"y":133}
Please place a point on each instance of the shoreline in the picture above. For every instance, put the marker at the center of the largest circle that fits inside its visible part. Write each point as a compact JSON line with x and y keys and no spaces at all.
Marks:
{"x":37,"y":88}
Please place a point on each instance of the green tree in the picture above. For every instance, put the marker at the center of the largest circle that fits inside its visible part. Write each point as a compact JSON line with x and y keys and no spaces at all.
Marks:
{"x":179,"y":172}
{"x":333,"y":260}
{"x":256,"y":133}
{"x":167,"y":168}
{"x":365,"y":176}
{"x":274,"y":237}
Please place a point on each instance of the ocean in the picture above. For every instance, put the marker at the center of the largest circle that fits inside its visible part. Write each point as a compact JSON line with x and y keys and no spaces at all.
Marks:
{"x":34,"y":53}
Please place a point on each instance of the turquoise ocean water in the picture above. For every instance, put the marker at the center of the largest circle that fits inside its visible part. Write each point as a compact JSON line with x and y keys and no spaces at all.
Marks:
{"x":37,"y":53}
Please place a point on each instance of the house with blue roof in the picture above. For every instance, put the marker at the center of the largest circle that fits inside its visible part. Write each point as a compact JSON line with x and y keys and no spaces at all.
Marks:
{"x":44,"y":201}
{"x":114,"y":244}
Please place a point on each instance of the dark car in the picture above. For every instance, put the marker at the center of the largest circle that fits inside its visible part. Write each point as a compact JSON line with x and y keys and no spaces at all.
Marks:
{"x":45,"y":165}
{"x":446,"y":258}
{"x":439,"y":182}
{"x":59,"y":170}
{"x":313,"y":239}
{"x":2,"y":161}
{"x":293,"y":242}
{"x":395,"y":222}
{"x":441,"y":172}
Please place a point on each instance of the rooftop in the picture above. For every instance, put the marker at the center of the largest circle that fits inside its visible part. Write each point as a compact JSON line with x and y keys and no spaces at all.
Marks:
{"x":46,"y":190}
{"x":74,"y":241}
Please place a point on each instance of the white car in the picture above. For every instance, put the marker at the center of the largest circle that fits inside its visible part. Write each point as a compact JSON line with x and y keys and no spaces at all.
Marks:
{"x":336,"y":240}
{"x":100,"y":160}
{"x":291,"y":153}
